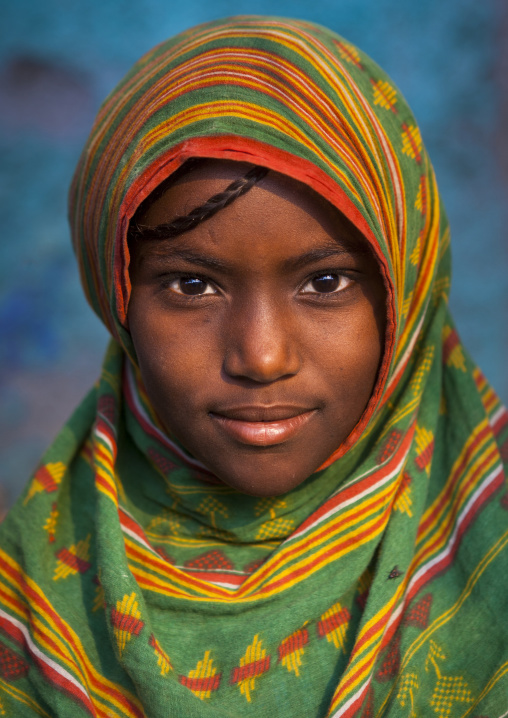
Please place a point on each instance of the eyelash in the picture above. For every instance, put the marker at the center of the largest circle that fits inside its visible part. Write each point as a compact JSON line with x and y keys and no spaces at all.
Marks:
{"x":330,"y":273}
{"x":174,"y":279}
{"x":341,"y":275}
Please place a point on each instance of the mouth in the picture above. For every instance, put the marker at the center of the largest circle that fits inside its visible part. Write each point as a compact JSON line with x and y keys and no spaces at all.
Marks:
{"x":262,"y":425}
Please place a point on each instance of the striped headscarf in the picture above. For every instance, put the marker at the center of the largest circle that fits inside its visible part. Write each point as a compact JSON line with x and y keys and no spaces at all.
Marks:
{"x":131,"y":585}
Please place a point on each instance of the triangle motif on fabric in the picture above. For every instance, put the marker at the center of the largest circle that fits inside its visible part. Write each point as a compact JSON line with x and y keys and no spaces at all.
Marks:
{"x":12,"y":666}
{"x":418,"y":614}
{"x":391,"y":661}
{"x":213,"y":559}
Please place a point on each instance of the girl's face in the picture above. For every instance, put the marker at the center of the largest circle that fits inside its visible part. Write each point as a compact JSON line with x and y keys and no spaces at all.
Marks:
{"x":260,"y":332}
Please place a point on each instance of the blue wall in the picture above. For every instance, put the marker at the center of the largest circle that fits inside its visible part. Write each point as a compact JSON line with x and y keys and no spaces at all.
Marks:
{"x":59,"y":58}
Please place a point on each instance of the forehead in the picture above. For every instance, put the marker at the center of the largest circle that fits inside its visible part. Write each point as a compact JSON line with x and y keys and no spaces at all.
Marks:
{"x":277,"y":205}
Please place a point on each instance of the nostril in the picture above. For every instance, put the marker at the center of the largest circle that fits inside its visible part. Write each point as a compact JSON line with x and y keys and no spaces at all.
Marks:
{"x":262,"y":363}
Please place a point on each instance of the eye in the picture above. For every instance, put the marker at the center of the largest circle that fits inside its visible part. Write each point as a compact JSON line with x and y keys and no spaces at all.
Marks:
{"x":326,"y":283}
{"x":191,"y":286}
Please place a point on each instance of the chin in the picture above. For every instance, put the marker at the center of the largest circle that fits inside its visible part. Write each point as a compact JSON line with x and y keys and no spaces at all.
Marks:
{"x":260,"y":471}
{"x":250,"y":483}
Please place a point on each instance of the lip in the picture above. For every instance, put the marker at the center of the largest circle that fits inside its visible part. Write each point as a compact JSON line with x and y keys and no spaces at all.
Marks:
{"x":262,"y":425}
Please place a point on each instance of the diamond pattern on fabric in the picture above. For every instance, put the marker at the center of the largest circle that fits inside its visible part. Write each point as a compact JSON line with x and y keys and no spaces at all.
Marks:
{"x":390,"y":445}
{"x":403,"y":501}
{"x":384,"y":95}
{"x":210,"y":560}
{"x":291,"y":650}
{"x":252,"y":665}
{"x":126,"y":620}
{"x":163,"y":660}
{"x":73,"y":560}
{"x":12,"y":666}
{"x":333,"y":625}
{"x":276,"y":528}
{"x":418,"y":614}
{"x":253,"y":565}
{"x":164,"y":554}
{"x":391,"y":661}
{"x":408,"y":684}
{"x":449,"y":690}
{"x":161,"y":462}
{"x":47,"y":478}
{"x":368,"y":705}
{"x":203,"y":679}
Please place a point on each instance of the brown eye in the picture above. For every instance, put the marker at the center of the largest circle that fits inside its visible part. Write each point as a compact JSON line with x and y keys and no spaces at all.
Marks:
{"x":191,"y":286}
{"x":326,"y":283}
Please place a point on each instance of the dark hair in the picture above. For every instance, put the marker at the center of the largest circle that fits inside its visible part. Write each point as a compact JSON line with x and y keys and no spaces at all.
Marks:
{"x":198,"y":214}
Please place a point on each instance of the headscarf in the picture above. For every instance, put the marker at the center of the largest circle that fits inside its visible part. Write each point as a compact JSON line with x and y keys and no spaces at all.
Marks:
{"x":131,"y":583}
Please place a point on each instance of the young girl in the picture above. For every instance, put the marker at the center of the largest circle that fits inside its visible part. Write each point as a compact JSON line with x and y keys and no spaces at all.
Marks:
{"x":285,"y":495}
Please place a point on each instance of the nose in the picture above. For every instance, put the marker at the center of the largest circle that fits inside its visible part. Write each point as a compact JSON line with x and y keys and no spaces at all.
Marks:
{"x":261,"y":344}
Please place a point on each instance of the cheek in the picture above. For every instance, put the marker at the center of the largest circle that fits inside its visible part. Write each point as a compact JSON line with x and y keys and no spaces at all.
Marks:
{"x":353,"y":338}
{"x":174,"y":360}
{"x":367,"y":352}
{"x":354,"y":349}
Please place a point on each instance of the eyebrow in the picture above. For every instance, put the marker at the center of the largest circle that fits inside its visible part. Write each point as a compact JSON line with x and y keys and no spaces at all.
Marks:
{"x":169,"y":251}
{"x":320,"y":253}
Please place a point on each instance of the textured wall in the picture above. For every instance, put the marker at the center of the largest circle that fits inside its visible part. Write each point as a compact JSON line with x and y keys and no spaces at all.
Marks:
{"x":59,"y":59}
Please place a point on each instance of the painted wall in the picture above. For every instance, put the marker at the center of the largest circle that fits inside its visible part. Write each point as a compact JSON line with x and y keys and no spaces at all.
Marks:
{"x":58,"y":59}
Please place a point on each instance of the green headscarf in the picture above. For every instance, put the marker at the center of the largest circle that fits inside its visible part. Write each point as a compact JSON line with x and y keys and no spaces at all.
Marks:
{"x":131,"y":584}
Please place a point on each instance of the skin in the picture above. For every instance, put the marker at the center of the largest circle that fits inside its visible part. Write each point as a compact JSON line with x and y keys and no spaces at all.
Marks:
{"x":260,"y":332}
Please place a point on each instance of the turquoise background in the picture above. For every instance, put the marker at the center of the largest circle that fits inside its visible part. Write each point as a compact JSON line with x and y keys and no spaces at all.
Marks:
{"x":57,"y":62}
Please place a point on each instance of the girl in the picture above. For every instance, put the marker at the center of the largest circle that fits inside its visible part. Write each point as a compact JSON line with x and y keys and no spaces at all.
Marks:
{"x":286,"y":493}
